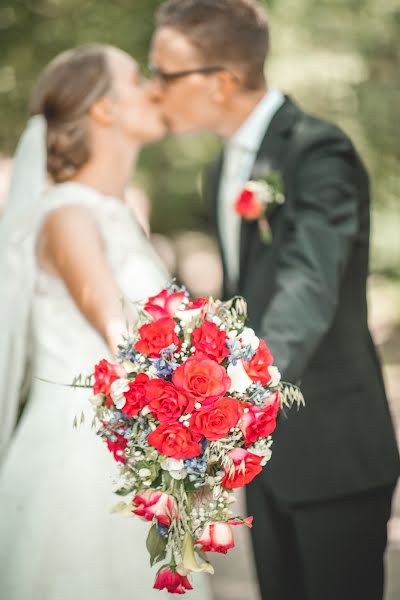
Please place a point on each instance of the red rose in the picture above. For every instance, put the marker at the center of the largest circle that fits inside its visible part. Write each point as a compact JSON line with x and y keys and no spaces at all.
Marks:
{"x":258,"y":367}
{"x":136,"y":395}
{"x":211,"y":341}
{"x":248,"y":206}
{"x":117,"y":447}
{"x":165,"y":304}
{"x":175,"y":440}
{"x":168,"y":578}
{"x":246,"y":465}
{"x":157,"y":336}
{"x":153,"y":504}
{"x":166,"y":402}
{"x":104,"y":375}
{"x":259,"y":421}
{"x":215,"y":422}
{"x":202,"y":377}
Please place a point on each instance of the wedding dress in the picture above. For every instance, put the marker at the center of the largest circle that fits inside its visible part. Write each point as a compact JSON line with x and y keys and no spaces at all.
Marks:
{"x":58,"y":537}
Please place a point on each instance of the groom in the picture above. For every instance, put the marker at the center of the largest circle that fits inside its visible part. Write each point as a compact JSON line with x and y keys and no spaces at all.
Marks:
{"x":322,"y":504}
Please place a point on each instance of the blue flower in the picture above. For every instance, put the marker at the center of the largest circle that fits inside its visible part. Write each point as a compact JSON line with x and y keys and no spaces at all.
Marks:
{"x":257,"y":394}
{"x":162,"y":530}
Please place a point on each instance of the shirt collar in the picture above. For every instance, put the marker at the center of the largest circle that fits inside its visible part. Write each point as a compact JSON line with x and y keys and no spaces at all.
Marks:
{"x":252,"y":131}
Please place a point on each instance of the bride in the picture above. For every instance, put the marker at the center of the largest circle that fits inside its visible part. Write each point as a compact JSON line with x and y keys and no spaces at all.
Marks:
{"x":68,"y":256}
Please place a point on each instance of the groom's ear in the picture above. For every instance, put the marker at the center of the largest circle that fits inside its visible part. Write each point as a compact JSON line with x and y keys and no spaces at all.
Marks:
{"x":226,"y":86}
{"x":102,"y":111}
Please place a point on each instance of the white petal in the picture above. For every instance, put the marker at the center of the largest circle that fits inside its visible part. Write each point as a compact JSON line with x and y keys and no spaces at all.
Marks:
{"x":275,"y":374}
{"x":239,"y":378}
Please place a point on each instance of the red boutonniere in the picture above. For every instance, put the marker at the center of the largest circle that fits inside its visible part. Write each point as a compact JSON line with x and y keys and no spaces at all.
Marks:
{"x":256,"y":200}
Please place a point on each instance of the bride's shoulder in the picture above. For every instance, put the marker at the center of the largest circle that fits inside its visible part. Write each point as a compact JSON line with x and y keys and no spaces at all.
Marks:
{"x":70,"y":194}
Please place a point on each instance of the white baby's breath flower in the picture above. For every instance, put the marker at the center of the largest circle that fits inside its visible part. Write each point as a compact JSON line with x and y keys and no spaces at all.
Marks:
{"x":232,"y":334}
{"x":144,"y":473}
{"x":240,"y":381}
{"x":275,"y":374}
{"x":118,"y":387}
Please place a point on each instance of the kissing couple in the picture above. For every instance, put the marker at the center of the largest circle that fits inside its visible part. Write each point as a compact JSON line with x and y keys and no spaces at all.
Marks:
{"x":71,"y":247}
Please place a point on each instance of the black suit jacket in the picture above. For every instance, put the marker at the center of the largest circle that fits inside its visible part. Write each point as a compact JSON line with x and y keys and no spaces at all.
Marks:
{"x":306,"y":294}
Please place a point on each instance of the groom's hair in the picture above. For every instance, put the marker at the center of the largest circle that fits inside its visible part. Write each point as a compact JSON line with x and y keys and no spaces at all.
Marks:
{"x":224,"y":32}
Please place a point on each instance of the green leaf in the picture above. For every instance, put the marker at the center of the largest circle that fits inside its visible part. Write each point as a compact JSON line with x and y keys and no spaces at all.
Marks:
{"x":156,"y":545}
{"x":123,"y":491}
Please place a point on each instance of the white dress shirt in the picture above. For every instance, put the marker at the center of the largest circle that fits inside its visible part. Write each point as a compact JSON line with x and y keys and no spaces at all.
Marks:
{"x":240,"y":152}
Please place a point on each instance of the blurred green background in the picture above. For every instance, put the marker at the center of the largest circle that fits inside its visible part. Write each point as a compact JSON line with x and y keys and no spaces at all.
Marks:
{"x":339,"y":58}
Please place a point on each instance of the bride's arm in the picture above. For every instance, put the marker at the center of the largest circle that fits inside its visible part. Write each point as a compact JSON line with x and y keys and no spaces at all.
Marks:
{"x":71,"y":247}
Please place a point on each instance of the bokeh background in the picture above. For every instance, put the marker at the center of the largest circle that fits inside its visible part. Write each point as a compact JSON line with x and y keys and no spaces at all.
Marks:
{"x":340,"y":59}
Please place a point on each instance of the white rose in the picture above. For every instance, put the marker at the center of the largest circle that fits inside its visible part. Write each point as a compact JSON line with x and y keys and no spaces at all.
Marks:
{"x":118,"y":387}
{"x":187,"y":315}
{"x":176,"y":468}
{"x":239,"y":378}
{"x":249,"y":337}
{"x":276,"y":376}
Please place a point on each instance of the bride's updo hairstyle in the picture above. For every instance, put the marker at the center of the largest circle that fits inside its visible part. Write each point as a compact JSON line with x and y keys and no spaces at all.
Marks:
{"x":66,"y":90}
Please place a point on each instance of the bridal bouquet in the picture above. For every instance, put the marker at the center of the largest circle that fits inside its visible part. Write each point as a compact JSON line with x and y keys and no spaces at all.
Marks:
{"x":188,"y":414}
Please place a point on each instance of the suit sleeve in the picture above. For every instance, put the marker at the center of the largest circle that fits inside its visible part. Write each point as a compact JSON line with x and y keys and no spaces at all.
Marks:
{"x":312,"y":261}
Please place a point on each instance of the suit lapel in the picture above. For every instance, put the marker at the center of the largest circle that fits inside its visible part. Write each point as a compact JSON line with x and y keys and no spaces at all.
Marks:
{"x":270,"y":157}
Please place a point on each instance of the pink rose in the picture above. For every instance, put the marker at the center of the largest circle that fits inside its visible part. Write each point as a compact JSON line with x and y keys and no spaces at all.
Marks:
{"x":153,"y":504}
{"x":216,"y":537}
{"x":246,"y":466}
{"x":259,"y":421}
{"x":165,"y":304}
{"x":168,"y":578}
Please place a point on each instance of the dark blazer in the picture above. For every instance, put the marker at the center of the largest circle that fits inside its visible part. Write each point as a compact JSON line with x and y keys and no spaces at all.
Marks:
{"x":306,"y":294}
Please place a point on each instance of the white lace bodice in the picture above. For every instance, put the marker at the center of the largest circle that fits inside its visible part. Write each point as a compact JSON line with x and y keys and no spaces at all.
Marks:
{"x":65,"y":343}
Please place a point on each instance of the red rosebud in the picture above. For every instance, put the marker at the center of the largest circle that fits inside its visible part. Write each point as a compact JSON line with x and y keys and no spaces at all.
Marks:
{"x":203,"y":378}
{"x":214,"y":423}
{"x":211,"y":341}
{"x":169,"y":579}
{"x":166,"y":402}
{"x":246,"y":467}
{"x":248,"y":206}
{"x":117,"y":447}
{"x":136,"y":395}
{"x":164,"y":304}
{"x":105,"y":374}
{"x":218,"y":536}
{"x":198,"y":303}
{"x":153,"y":504}
{"x":156,"y":336}
{"x":259,"y":421}
{"x":258,"y":367}
{"x":175,"y":440}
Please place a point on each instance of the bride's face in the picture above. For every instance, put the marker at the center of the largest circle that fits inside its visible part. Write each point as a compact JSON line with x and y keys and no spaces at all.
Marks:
{"x":135,"y":113}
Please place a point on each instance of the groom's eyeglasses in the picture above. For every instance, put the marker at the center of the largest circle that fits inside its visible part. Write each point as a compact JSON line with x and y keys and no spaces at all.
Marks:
{"x":169,"y":76}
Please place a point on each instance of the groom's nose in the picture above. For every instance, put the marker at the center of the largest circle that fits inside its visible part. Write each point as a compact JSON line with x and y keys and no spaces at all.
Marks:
{"x":155,"y":89}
